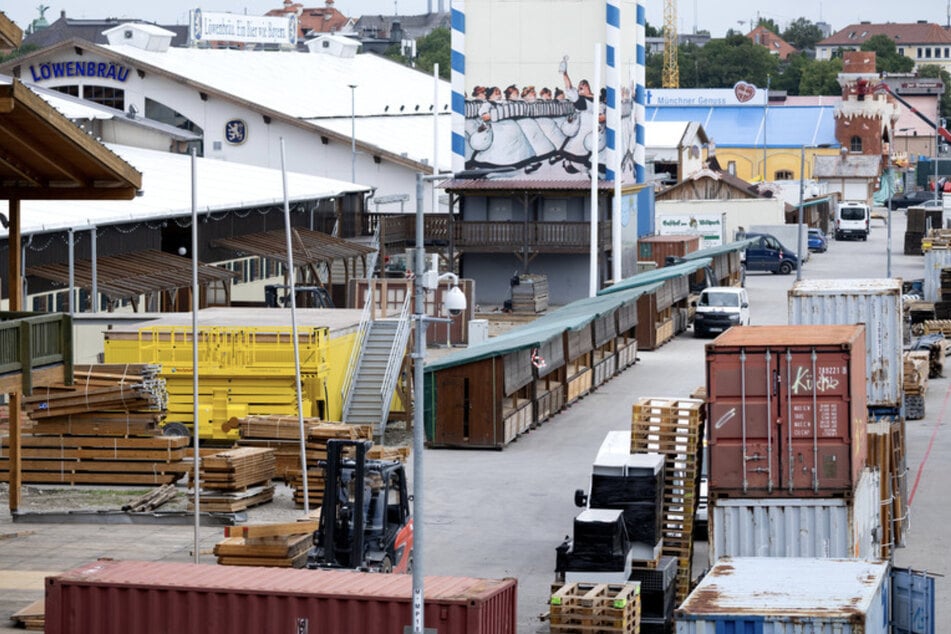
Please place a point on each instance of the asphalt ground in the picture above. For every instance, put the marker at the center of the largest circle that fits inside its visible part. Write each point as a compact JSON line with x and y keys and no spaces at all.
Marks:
{"x":502,"y":513}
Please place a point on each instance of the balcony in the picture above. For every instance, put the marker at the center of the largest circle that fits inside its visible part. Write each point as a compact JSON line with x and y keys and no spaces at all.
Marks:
{"x":35,"y":349}
{"x":492,"y":237}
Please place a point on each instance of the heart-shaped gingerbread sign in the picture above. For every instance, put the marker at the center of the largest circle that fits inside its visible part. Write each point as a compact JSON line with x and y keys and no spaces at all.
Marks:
{"x":744,"y":91}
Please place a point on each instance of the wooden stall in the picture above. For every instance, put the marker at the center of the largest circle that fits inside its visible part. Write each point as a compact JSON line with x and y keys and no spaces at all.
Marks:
{"x":626,"y":342}
{"x":657,"y":248}
{"x":578,"y":375}
{"x":604,"y":355}
{"x":549,"y":362}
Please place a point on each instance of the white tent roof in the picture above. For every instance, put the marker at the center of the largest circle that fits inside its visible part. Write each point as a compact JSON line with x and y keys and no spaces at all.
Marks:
{"x":316,"y":86}
{"x":167,"y":192}
{"x":665,"y":134}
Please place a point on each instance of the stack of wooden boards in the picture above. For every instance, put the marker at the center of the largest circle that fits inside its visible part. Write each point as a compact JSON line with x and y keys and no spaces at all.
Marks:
{"x":276,"y":545}
{"x":886,"y":450}
{"x":672,"y":427}
{"x":583,"y":608}
{"x":916,"y":371}
{"x":316,"y":450}
{"x":233,"y":480}
{"x":102,"y":429}
{"x":279,"y":433}
{"x":32,"y":617}
{"x":530,"y":295}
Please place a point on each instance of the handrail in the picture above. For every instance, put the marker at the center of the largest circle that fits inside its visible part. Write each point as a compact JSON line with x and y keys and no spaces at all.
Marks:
{"x":395,"y":360}
{"x":345,"y":389}
{"x":32,"y":340}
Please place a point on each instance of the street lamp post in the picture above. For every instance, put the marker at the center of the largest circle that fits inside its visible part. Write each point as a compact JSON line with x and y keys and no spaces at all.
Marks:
{"x":353,"y":133}
{"x":802,"y":185}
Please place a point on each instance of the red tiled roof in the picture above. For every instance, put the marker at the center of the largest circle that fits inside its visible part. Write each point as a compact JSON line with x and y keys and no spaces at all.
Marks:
{"x":314,"y":21}
{"x":902,"y":34}
{"x":775,"y":44}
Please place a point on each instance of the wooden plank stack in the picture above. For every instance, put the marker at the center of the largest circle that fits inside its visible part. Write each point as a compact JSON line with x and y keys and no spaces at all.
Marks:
{"x":98,"y":459}
{"x":530,"y":295}
{"x":32,"y":617}
{"x":236,"y":479}
{"x":104,"y":400}
{"x":886,"y":450}
{"x":316,"y":450}
{"x":151,"y":500}
{"x":671,"y":426}
{"x":582,"y":608}
{"x":276,"y":545}
{"x":917,"y":369}
{"x":280,"y":433}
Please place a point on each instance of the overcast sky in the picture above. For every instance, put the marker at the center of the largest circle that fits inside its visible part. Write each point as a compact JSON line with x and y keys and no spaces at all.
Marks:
{"x":716,"y":17}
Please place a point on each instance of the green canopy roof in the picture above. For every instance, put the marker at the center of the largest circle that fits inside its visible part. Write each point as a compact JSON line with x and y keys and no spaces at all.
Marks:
{"x":656,"y":276}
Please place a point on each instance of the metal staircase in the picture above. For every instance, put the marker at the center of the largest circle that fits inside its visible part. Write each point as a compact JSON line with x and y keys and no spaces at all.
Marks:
{"x":369,"y":391}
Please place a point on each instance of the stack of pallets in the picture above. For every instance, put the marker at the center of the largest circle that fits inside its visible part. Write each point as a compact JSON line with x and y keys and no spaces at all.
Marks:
{"x":235,"y":479}
{"x":530,"y":295}
{"x":916,"y":370}
{"x":582,"y":608}
{"x":671,"y":427}
{"x":886,"y":450}
{"x":316,"y":450}
{"x":276,"y":545}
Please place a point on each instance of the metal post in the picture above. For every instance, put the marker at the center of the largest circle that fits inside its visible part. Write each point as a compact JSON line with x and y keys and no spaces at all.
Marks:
{"x":71,"y":250}
{"x":353,"y":133}
{"x":94,"y":268}
{"x":418,"y":423}
{"x":888,"y":232}
{"x":802,"y":184}
{"x":595,"y":142}
{"x":196,"y":479}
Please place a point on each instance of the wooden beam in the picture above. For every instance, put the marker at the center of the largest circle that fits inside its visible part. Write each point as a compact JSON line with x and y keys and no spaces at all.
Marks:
{"x":10,"y":383}
{"x":16,"y":475}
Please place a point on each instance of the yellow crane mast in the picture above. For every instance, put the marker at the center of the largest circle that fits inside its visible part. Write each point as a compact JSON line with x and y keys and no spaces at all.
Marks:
{"x":671,"y":74}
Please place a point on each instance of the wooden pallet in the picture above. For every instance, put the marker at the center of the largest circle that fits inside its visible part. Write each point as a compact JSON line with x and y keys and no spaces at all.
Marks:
{"x":671,"y":426}
{"x":607,"y":608}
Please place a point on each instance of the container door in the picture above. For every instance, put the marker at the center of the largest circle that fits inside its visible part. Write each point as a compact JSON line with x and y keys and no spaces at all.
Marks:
{"x":814,"y":405}
{"x":743,"y":422}
{"x":749,"y":625}
{"x":912,"y":602}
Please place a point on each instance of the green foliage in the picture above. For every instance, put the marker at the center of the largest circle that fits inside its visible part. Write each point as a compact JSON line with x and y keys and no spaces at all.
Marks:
{"x":820,"y":77}
{"x":17,"y":52}
{"x":933,"y":70}
{"x":887,"y":58}
{"x":790,"y":73}
{"x":769,"y":24}
{"x":434,"y":49}
{"x":722,"y":63}
{"x":802,"y":34}
{"x":651,"y":30}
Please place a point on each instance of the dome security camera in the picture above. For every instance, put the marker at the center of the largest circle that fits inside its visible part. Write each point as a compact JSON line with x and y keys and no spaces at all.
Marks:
{"x":455,"y":301}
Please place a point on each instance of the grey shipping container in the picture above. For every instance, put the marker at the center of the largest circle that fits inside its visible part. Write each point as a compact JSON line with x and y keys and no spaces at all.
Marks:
{"x":842,"y":527}
{"x":778,"y":596}
{"x":877,"y":303}
{"x":113,"y":597}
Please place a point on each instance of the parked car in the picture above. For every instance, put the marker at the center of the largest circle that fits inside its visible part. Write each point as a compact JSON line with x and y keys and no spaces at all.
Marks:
{"x":766,"y":253}
{"x":910,"y":199}
{"x":817,"y":241}
{"x":931,"y":204}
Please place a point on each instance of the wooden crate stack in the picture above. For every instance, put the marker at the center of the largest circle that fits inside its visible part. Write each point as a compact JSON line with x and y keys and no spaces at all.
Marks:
{"x":316,"y":450}
{"x":277,"y":545}
{"x":236,"y":479}
{"x":530,"y":295}
{"x":917,"y":369}
{"x":582,"y":608}
{"x":671,"y":426}
{"x":886,"y":450}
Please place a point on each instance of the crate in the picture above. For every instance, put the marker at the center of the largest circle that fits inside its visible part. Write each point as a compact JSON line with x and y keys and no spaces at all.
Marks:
{"x":582,"y":608}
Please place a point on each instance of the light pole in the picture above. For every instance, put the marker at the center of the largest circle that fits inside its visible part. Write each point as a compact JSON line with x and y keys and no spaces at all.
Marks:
{"x":802,"y":185}
{"x":353,"y":133}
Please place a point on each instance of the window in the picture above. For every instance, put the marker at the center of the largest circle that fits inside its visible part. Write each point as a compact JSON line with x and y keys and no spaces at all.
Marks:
{"x":855,"y":144}
{"x":927,"y":53}
{"x":68,"y":90}
{"x":783,"y":175}
{"x":105,"y":95}
{"x":731,"y":168}
{"x":920,"y":54}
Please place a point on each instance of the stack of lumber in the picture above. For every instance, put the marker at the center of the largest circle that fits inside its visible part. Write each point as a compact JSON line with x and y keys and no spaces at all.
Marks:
{"x":316,"y":450}
{"x":110,"y":460}
{"x":280,"y":433}
{"x":151,"y":500}
{"x":235,"y":479}
{"x":672,"y":426}
{"x":936,"y":344}
{"x":276,"y":545}
{"x":104,"y":400}
{"x":530,"y":295}
{"x":915,"y":382}
{"x":886,"y":450}
{"x":580,"y":608}
{"x":32,"y":617}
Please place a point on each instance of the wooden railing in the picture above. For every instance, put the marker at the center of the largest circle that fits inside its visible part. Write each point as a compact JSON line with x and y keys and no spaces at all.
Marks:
{"x":551,"y":237}
{"x":32,"y":340}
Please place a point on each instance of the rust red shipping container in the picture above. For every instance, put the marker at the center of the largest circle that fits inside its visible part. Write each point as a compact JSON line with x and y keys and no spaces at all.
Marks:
{"x":119,"y":597}
{"x":787,"y":411}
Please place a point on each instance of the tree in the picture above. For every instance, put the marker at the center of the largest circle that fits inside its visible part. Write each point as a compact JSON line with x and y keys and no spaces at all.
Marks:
{"x":790,"y":73}
{"x":802,"y":34}
{"x":820,"y":77}
{"x":651,"y":31}
{"x":769,"y":24}
{"x":430,"y":49}
{"x":933,"y":70}
{"x":887,"y":59}
{"x":722,"y":63}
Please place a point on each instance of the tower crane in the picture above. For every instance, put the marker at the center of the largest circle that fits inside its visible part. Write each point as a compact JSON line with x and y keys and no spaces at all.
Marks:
{"x":671,"y":74}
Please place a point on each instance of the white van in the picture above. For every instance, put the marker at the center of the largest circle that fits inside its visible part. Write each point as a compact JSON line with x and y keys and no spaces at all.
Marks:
{"x":718,"y":308}
{"x":852,"y":220}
